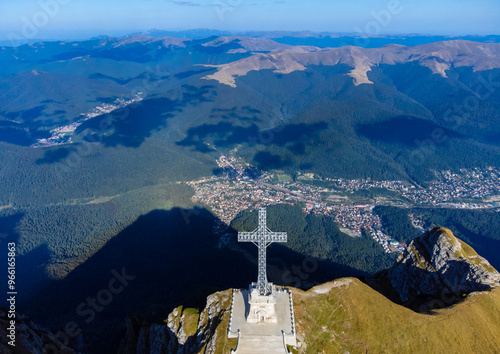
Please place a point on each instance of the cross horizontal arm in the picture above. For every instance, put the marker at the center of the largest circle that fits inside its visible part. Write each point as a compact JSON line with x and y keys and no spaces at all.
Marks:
{"x":248,"y":236}
{"x":266,"y":237}
{"x":275,"y":237}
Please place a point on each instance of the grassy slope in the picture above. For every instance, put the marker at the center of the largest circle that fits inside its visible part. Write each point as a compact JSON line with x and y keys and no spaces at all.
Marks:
{"x":355,"y":318}
{"x":358,"y":319}
{"x":191,"y":317}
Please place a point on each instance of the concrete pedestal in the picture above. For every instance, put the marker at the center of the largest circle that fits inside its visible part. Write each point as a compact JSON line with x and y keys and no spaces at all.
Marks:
{"x":262,"y":319}
{"x":262,"y":307}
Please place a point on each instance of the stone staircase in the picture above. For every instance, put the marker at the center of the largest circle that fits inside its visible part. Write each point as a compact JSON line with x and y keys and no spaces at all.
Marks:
{"x":253,"y":344}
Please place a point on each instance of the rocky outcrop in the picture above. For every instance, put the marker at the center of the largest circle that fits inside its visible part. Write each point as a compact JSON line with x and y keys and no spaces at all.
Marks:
{"x":184,"y":330}
{"x":438,"y":265}
{"x":29,"y":337}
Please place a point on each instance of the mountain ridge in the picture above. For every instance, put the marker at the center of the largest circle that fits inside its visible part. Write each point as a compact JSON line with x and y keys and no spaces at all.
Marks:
{"x":356,"y":94}
{"x":439,"y":57}
{"x":345,"y":314}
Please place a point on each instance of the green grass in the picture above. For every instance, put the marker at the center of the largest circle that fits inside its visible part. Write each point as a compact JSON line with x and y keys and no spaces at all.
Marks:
{"x":191,"y":317}
{"x":358,"y":319}
{"x":285,"y":178}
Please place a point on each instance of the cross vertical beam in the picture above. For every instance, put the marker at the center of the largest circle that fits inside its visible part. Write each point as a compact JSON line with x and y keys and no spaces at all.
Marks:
{"x":262,"y":283}
{"x":262,"y":237}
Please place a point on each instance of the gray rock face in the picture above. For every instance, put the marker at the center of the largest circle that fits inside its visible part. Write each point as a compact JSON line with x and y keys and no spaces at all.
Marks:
{"x":30,"y":338}
{"x":437,"y":264}
{"x":174,"y":334}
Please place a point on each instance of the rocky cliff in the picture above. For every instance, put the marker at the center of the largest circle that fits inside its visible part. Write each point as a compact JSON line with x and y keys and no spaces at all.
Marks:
{"x":29,"y":337}
{"x":440,"y":266}
{"x":184,"y":331}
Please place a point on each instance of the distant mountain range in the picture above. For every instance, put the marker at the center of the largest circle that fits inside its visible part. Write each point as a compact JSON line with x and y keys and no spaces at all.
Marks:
{"x":350,"y":95}
{"x":325,"y":39}
{"x":319,"y":39}
{"x":439,"y":57}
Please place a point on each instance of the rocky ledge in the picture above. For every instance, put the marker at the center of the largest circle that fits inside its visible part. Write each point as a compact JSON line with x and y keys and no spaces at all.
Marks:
{"x":437,"y":265}
{"x":29,"y":337}
{"x":184,"y":331}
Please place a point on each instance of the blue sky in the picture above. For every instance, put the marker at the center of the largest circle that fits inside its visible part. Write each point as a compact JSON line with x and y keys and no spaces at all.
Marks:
{"x":73,"y":18}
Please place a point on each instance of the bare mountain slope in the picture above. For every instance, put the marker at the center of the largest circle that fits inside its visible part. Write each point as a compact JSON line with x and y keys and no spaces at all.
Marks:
{"x":439,"y":57}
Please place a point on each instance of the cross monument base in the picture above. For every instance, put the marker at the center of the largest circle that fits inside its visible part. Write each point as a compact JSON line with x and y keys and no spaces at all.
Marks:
{"x":262,"y":307}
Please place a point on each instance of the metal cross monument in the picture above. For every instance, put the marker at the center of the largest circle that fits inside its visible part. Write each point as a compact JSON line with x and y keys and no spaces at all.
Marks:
{"x":262,"y":237}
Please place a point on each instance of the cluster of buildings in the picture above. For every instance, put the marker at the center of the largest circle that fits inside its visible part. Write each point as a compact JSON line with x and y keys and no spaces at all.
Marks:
{"x":357,"y":184}
{"x":239,"y":186}
{"x":233,"y":190}
{"x":468,"y":184}
{"x":417,"y":223}
{"x":62,"y":135}
{"x":353,"y":218}
{"x":226,"y":198}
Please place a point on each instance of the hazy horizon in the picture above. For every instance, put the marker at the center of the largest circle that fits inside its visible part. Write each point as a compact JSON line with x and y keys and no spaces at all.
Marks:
{"x":78,"y":19}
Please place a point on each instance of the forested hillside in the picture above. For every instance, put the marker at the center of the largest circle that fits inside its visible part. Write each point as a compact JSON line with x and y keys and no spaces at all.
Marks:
{"x":319,"y":237}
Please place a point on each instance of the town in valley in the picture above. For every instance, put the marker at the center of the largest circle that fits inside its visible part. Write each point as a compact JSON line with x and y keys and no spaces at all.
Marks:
{"x":238,"y":186}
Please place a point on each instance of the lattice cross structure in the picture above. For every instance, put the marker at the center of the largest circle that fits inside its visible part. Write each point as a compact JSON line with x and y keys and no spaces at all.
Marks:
{"x":262,"y":237}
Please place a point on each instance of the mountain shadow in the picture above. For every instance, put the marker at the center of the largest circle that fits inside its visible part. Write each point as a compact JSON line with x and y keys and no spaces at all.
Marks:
{"x":8,"y":232}
{"x":136,"y":52}
{"x":162,"y":260}
{"x":25,"y":132}
{"x":30,"y":267}
{"x":15,"y":134}
{"x":226,"y":134}
{"x":267,"y":161}
{"x":131,"y":125}
{"x":25,"y":115}
{"x":53,"y":155}
{"x":221,"y":49}
{"x":403,"y":130}
{"x":189,"y":73}
{"x":245,"y":113}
